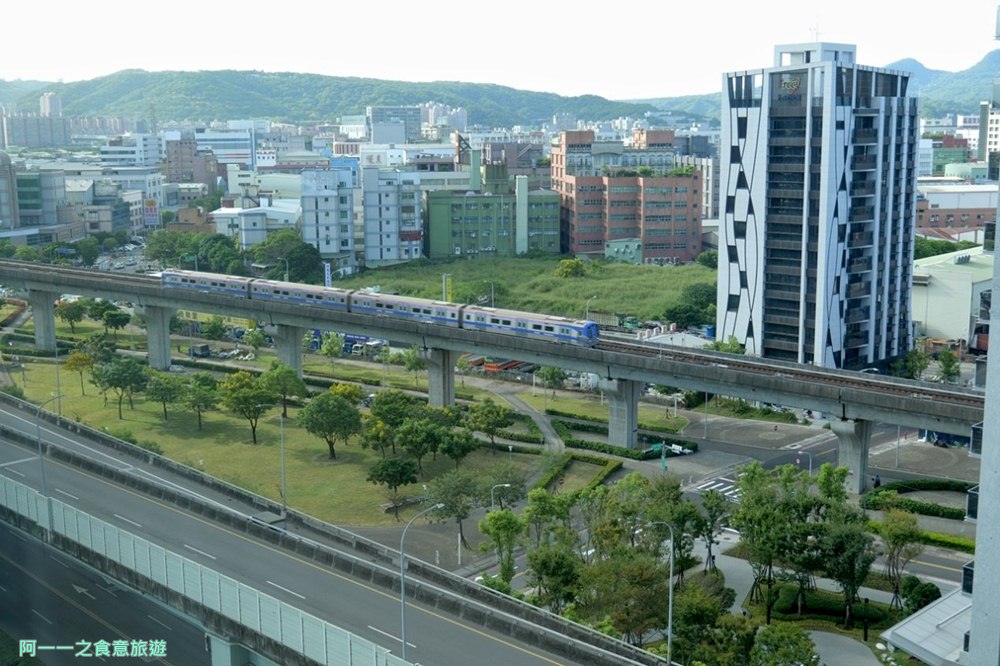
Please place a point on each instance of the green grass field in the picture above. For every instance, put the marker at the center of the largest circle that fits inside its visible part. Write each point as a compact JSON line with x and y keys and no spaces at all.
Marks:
{"x":332,"y":490}
{"x":529,"y":284}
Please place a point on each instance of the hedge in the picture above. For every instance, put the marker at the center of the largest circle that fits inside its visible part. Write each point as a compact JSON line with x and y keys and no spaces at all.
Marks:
{"x":883,"y":497}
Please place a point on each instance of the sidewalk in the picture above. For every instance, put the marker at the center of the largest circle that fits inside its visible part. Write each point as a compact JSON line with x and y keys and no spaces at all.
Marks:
{"x":833,"y":649}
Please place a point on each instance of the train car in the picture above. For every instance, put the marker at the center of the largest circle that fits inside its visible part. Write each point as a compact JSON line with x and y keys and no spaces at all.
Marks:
{"x":213,"y":283}
{"x":406,"y":307}
{"x":529,"y":325}
{"x":303,"y":294}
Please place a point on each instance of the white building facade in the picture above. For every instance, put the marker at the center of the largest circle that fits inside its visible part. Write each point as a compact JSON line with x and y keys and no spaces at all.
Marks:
{"x":327,"y":217}
{"x":817,"y":207}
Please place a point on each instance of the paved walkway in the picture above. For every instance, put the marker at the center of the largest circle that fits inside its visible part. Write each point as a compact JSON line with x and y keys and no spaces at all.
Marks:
{"x":833,"y":649}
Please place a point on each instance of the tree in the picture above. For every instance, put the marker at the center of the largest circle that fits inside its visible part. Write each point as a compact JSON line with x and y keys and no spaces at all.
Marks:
{"x":393,"y":473}
{"x":282,"y":380}
{"x":254,"y":338}
{"x":715,"y":514}
{"x":555,"y":574}
{"x":214,"y":328}
{"x":99,"y":347}
{"x":568,"y":268}
{"x":71,"y":312}
{"x":848,"y":556}
{"x":730,"y":346}
{"x":949,"y":366}
{"x":332,"y":346}
{"x":116,"y":320}
{"x":911,"y":366}
{"x":458,"y":490}
{"x":202,"y":394}
{"x":708,"y":259}
{"x":392,"y":407}
{"x":332,"y":418}
{"x":247,"y":396}
{"x":413,"y":362}
{"x":490,"y":418}
{"x":457,"y":444}
{"x":304,"y":261}
{"x":901,"y":535}
{"x":418,"y":437}
{"x":917,"y":594}
{"x":81,"y":362}
{"x":462,"y":366}
{"x":552,"y":377}
{"x":375,"y":434}
{"x":545,"y":512}
{"x":783,"y":644}
{"x":167,"y":216}
{"x":165,"y":389}
{"x":124,"y":376}
{"x":630,"y":590}
{"x":504,"y":528}
{"x":830,"y":482}
{"x":352,"y":393}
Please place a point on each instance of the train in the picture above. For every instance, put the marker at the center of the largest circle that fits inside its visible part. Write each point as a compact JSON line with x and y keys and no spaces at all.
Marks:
{"x":453,"y":315}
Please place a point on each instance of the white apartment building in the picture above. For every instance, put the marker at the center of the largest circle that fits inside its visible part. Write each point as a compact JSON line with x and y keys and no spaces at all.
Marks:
{"x":817,"y":205}
{"x":327,"y":217}
{"x":393,"y":224}
{"x":132,"y":150}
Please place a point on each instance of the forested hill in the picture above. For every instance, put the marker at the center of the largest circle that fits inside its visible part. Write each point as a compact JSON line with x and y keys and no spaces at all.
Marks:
{"x":304,"y":98}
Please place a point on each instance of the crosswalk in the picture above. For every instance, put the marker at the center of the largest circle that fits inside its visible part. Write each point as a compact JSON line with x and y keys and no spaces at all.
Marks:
{"x":724,"y":485}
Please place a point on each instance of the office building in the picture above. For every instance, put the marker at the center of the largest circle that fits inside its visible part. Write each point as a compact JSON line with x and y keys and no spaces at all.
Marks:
{"x":817,"y":204}
{"x":328,"y":217}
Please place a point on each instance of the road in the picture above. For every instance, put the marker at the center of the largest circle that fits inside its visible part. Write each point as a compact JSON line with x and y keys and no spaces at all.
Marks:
{"x":53,"y":599}
{"x":366,"y":611}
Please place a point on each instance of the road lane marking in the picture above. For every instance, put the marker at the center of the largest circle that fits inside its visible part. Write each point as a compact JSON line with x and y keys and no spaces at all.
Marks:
{"x":15,"y":462}
{"x":312,"y":565}
{"x":68,"y":494}
{"x":14,"y":471}
{"x":200,"y":552}
{"x":388,"y":635}
{"x":286,"y":590}
{"x":59,"y":562}
{"x":2,"y":588}
{"x":41,"y":616}
{"x":83,"y":591}
{"x":937,"y":566}
{"x":131,"y":522}
{"x":165,"y":626}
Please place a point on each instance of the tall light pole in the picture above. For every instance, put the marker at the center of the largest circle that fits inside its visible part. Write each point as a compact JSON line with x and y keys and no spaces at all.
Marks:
{"x":493,"y":300}
{"x":444,"y":286}
{"x":586,"y":314}
{"x":41,"y":459}
{"x":286,"y":267}
{"x":493,"y":503}
{"x":670,"y":594}
{"x":281,"y":439}
{"x":810,"y":461}
{"x":402,"y":576}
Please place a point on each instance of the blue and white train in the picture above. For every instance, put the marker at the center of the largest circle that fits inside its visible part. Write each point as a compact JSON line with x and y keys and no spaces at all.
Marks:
{"x":470,"y":317}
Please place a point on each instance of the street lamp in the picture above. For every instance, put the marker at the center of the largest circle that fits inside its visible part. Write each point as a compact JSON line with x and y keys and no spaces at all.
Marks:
{"x":493,"y":301}
{"x":810,"y":461}
{"x":281,"y":439}
{"x":492,"y":500}
{"x":286,"y":267}
{"x":41,"y":458}
{"x":586,"y":314}
{"x":402,"y":576}
{"x":670,"y":595}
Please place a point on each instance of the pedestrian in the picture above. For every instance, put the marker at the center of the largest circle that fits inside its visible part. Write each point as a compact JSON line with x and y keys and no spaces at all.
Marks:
{"x":775,"y":428}
{"x":878,"y":481}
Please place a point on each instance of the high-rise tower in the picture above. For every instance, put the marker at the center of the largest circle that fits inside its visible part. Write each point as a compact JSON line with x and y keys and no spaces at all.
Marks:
{"x":818,"y":171}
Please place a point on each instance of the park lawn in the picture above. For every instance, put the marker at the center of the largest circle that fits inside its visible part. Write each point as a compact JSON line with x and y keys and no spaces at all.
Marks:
{"x":576,"y":476}
{"x":332,"y":490}
{"x":588,"y":405}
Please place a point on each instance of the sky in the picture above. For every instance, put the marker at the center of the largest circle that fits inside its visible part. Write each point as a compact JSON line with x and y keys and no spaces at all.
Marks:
{"x":639,"y":50}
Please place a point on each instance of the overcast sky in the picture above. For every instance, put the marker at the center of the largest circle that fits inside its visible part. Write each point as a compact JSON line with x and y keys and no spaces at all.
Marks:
{"x":619,"y":50}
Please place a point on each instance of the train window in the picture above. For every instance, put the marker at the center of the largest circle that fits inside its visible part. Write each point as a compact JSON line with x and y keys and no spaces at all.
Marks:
{"x":536,"y":327}
{"x":494,"y":320}
{"x":506,"y":322}
{"x":379,"y":305}
{"x":549,"y":329}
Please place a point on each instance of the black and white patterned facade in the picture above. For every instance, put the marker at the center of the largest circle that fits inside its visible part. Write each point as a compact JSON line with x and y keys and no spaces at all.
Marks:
{"x":818,"y":194}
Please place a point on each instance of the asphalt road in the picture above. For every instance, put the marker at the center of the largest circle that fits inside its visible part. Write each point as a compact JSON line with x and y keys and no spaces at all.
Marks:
{"x":366,"y":611}
{"x":55,"y":600}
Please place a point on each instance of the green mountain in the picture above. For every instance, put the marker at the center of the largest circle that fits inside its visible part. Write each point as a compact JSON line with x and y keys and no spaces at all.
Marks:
{"x":940,"y":92}
{"x":304,"y":98}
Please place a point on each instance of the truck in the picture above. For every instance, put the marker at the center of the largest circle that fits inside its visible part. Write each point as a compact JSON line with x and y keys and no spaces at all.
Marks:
{"x":201,"y":351}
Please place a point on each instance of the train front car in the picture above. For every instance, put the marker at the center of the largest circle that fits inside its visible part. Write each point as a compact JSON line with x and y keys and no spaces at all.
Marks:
{"x":211,"y":283}
{"x":529,"y":325}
